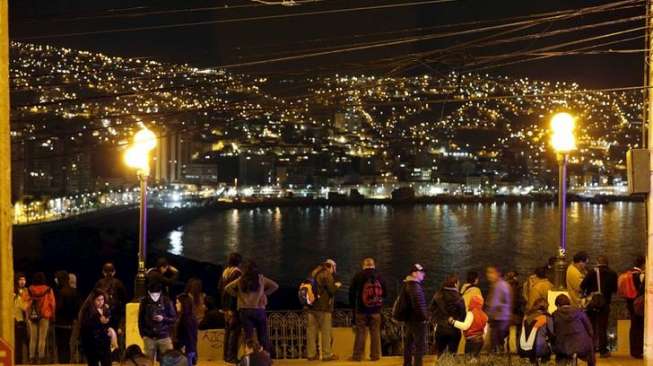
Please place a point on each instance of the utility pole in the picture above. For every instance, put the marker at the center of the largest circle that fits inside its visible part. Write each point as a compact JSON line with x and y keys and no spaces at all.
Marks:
{"x":648,"y":312}
{"x":6,"y":252}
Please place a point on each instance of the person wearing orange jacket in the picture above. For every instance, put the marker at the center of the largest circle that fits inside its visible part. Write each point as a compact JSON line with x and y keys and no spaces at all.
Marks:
{"x":40,"y":312}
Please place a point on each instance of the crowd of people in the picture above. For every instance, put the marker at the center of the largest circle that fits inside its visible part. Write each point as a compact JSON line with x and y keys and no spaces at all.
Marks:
{"x":577,"y":329}
{"x":169,"y":319}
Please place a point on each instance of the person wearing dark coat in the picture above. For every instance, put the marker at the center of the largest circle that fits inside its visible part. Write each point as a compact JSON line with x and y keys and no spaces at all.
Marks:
{"x":117,"y":296}
{"x":447,"y":303}
{"x":255,"y":355}
{"x":415,"y":326}
{"x":186,"y":334}
{"x":213,"y":319}
{"x":156,"y":318}
{"x":68,"y":303}
{"x":600,"y":316}
{"x":573,"y":333}
{"x":94,"y":330}
{"x":366,"y":316}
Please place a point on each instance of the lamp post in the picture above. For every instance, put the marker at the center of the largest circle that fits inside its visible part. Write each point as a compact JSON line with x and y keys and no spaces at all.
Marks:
{"x":137,"y":156}
{"x":563,"y":142}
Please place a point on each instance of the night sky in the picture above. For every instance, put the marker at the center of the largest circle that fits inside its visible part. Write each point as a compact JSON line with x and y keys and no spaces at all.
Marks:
{"x":233,"y":42}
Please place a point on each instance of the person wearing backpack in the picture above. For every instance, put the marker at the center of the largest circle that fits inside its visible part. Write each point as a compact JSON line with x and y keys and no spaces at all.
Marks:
{"x":410,"y":308}
{"x":601,"y":282}
{"x":470,"y":288}
{"x":536,"y":333}
{"x":41,"y":310}
{"x":319,"y":311}
{"x":366,"y":294}
{"x":232,"y":326}
{"x":631,"y":287}
{"x":447,"y":304}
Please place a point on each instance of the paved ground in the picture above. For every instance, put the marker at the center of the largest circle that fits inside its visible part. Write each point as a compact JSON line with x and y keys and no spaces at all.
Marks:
{"x":428,"y":361}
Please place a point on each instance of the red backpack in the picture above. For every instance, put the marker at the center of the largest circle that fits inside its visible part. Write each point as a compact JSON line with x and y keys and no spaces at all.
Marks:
{"x":626,"y":285}
{"x":372,"y":294}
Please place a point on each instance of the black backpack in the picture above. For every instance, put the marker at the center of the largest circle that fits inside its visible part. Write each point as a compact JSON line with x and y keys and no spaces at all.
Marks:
{"x":34,"y":312}
{"x":401,"y":307}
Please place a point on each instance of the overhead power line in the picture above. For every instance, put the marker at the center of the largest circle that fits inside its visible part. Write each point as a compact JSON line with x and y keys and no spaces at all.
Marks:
{"x":235,"y":20}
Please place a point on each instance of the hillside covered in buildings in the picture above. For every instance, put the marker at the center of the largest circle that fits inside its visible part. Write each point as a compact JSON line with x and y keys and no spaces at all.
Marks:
{"x":72,"y":113}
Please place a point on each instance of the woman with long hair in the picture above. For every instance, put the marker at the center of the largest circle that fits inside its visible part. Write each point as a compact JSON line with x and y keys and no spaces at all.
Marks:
{"x":251,"y":291}
{"x":448,"y":306}
{"x":194,"y":290}
{"x":186,"y":328}
{"x":95,"y":333}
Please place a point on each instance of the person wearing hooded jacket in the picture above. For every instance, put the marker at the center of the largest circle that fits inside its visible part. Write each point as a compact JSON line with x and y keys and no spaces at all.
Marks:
{"x":156,"y":319}
{"x":537,"y":329}
{"x":537,"y":287}
{"x":447,"y":303}
{"x":470,"y":288}
{"x":321,"y":312}
{"x":415,"y":325}
{"x":573,"y":333}
{"x":473,"y":327}
{"x":40,"y":311}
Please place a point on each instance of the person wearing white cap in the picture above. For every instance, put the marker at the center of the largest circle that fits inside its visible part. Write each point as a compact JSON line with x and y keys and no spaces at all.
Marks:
{"x":320,"y":312}
{"x":415,"y":316}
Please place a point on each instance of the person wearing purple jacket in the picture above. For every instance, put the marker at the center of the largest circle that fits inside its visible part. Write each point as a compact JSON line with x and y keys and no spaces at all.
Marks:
{"x":573,"y":333}
{"x":499,"y":309}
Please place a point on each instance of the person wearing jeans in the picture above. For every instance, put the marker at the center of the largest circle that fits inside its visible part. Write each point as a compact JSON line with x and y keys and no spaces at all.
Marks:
{"x":232,"y":327}
{"x":366,"y":295}
{"x":251,"y":291}
{"x":320,"y":313}
{"x":40,"y":311}
{"x":156,"y":317}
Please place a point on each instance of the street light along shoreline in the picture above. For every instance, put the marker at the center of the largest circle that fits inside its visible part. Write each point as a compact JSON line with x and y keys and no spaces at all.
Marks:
{"x":563,"y":142}
{"x":137,"y":156}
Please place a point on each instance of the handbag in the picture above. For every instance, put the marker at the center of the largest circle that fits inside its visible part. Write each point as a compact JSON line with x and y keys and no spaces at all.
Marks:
{"x":596,"y":300}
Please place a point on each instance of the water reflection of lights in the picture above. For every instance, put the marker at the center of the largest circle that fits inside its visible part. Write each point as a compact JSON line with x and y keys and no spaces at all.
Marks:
{"x":176,"y":242}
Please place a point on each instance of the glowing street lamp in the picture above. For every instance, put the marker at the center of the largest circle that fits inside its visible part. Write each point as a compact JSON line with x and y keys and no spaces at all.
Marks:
{"x":137,"y":156}
{"x":563,"y":142}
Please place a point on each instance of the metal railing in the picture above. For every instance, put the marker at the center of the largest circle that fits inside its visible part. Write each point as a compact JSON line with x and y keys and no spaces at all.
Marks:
{"x":287,"y":330}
